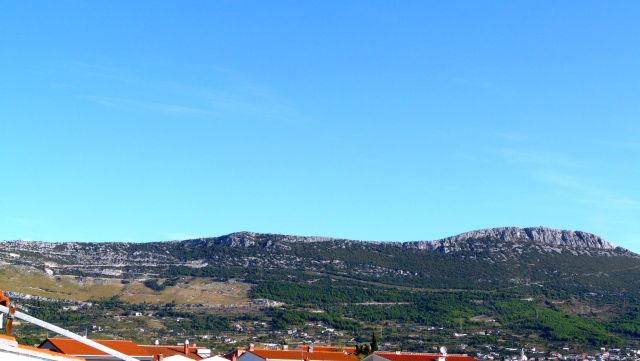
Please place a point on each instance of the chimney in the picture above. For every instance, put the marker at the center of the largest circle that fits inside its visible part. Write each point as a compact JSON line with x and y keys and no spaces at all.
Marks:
{"x":186,"y":347}
{"x":285,"y":347}
{"x":252,"y":347}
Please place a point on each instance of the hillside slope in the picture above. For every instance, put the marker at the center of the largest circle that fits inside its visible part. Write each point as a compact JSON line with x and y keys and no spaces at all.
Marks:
{"x":536,"y":285}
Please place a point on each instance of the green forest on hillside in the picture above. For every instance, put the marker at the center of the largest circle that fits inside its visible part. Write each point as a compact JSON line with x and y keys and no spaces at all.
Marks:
{"x":490,"y":292}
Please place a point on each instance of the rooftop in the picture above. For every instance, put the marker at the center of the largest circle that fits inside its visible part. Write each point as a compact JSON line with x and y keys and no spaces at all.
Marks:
{"x":73,"y":347}
{"x":167,"y":351}
{"x":302,"y":355}
{"x":9,"y":346}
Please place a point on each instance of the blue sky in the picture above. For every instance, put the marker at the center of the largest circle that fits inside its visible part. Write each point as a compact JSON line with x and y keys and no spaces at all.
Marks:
{"x":377,"y":120}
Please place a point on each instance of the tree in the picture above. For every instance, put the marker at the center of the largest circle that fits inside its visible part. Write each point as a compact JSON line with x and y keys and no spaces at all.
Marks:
{"x":363,"y":350}
{"x":374,"y":342}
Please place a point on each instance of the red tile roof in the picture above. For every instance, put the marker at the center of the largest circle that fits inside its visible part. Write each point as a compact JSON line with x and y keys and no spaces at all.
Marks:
{"x":303,"y":355}
{"x":8,"y":343}
{"x":167,"y":351}
{"x":235,"y":353}
{"x":410,"y":356}
{"x":73,"y":347}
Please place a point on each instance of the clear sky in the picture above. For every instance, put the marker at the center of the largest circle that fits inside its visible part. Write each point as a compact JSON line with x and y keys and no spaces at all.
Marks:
{"x":376,"y":120}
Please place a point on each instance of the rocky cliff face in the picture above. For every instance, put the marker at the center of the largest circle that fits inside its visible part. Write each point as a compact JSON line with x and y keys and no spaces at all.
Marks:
{"x":540,"y":235}
{"x":244,"y":249}
{"x":249,"y":239}
{"x":531,"y":236}
{"x":483,"y":259}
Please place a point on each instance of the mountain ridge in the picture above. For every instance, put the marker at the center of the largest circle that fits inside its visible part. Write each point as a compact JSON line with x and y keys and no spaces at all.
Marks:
{"x":574,"y":278}
{"x":537,"y":235}
{"x":540,"y":235}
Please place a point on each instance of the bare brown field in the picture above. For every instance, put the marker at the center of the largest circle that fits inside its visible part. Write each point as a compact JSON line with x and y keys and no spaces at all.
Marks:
{"x":195,"y":291}
{"x":199,"y":291}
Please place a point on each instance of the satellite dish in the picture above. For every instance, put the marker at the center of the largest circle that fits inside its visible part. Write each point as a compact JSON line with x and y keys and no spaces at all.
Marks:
{"x":443,"y":350}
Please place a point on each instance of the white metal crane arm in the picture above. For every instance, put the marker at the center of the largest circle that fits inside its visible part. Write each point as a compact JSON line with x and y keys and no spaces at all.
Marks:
{"x":71,"y":335}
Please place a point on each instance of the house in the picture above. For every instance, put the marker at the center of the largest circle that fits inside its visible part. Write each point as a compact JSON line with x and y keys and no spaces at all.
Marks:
{"x":303,"y":354}
{"x":74,"y":348}
{"x":411,"y":356}
{"x":174,"y":358}
{"x":215,"y":358}
{"x":235,"y":354}
{"x":11,"y":350}
{"x":184,"y":350}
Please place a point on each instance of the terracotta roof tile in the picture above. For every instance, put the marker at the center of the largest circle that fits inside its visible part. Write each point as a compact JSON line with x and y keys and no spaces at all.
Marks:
{"x":73,"y":347}
{"x":9,"y":344}
{"x":303,"y":355}
{"x":51,"y":353}
{"x":173,"y":350}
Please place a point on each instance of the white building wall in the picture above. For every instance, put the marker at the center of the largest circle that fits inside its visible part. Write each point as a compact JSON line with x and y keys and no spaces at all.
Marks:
{"x":11,"y":351}
{"x":11,"y":356}
{"x":20,"y":355}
